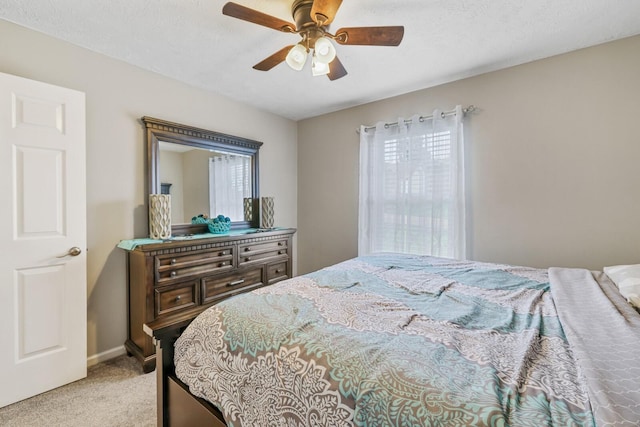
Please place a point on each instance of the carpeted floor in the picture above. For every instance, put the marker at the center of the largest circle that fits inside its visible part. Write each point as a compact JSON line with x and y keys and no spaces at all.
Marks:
{"x":115,"y":393}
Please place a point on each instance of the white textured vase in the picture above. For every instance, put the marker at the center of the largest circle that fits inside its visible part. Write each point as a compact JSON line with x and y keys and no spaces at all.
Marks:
{"x":248,"y":209}
{"x":159,"y":216}
{"x":267,"y":212}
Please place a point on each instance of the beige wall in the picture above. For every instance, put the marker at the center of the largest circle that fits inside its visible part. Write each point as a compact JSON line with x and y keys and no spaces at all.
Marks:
{"x":172,"y":172}
{"x":553,"y":162}
{"x":196,"y":183}
{"x":117,"y":95}
{"x":552,"y":159}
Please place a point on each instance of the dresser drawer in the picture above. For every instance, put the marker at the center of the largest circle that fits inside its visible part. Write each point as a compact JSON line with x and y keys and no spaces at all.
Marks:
{"x":277,"y":272}
{"x":216,"y":288}
{"x":170,"y":268}
{"x":262,"y":251}
{"x":177,"y":297}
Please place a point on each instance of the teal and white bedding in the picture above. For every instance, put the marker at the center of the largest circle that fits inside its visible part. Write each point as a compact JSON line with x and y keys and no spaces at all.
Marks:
{"x":401,"y":340}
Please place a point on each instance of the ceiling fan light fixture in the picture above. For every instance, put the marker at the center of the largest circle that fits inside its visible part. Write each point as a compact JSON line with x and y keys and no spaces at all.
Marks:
{"x":319,"y":68}
{"x":296,"y":57}
{"x":324,"y":51}
{"x":312,"y":19}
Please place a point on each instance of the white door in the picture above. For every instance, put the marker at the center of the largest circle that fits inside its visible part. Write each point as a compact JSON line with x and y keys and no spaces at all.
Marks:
{"x":43,"y":303}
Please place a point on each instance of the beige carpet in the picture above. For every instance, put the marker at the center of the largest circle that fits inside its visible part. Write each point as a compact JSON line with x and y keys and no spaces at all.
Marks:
{"x":115,"y":393}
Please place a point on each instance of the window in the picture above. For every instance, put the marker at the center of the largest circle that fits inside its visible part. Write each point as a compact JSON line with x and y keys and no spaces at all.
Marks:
{"x":229,"y":184}
{"x":412,"y":188}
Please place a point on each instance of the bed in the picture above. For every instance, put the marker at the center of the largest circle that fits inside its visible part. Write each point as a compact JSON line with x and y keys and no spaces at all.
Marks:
{"x":404,"y":340}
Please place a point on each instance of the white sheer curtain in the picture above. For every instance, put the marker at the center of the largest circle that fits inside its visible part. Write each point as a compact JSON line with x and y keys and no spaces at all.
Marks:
{"x":412,"y":196}
{"x":229,"y":183}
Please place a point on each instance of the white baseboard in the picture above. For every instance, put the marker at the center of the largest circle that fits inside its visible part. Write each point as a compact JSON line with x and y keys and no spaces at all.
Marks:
{"x":105,"y":355}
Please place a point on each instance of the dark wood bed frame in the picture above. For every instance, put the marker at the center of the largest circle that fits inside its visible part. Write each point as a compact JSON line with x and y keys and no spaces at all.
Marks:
{"x":176,"y":407}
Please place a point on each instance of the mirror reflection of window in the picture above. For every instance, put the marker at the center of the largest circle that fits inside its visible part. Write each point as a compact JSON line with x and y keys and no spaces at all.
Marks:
{"x":229,"y":184}
{"x":193,"y":191}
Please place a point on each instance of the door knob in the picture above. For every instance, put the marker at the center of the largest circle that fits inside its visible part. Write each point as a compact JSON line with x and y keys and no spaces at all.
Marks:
{"x":74,"y":251}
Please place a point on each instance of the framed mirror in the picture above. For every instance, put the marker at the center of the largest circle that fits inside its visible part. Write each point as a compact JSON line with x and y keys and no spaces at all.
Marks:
{"x":205,"y":172}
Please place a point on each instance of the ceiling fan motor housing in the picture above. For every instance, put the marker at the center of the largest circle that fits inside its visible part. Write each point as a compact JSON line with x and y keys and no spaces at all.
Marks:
{"x":309,"y":30}
{"x":301,"y":11}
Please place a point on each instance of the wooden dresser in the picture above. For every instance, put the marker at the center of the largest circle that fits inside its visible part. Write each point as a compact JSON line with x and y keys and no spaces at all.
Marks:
{"x":190,"y":275}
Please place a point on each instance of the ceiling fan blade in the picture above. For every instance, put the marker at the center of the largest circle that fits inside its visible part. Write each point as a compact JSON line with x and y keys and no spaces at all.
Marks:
{"x":246,"y":14}
{"x":336,"y":69}
{"x":323,"y":11}
{"x":273,"y":60}
{"x":372,"y":36}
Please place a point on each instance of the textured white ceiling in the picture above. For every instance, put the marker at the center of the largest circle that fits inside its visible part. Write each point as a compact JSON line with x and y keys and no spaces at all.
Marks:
{"x":445,"y":40}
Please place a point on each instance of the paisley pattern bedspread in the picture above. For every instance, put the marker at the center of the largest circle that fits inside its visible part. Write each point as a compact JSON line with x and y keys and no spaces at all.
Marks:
{"x":393,"y":340}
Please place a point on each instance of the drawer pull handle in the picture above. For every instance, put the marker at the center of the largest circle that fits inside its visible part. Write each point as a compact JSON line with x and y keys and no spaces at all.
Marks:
{"x":280,"y":252}
{"x":236,"y":283}
{"x":247,"y":249}
{"x":178,"y":298}
{"x":174,"y":274}
{"x":173,"y":261}
{"x":280,"y":243}
{"x":222,"y":264}
{"x":278,"y":271}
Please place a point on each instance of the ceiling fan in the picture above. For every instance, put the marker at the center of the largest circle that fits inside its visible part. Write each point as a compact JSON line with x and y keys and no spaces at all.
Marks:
{"x":312,"y":19}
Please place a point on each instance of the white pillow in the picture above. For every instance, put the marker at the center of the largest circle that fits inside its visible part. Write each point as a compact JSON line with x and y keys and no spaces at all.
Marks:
{"x":627,"y":279}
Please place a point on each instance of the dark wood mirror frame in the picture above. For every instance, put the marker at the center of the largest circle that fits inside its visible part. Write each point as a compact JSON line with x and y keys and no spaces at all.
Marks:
{"x":161,"y":130}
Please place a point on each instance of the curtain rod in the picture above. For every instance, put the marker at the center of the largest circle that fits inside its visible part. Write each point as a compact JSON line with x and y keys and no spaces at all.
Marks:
{"x":469,"y":109}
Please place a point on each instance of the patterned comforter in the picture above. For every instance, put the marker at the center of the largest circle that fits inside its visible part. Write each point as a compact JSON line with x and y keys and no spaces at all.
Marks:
{"x":400,"y":340}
